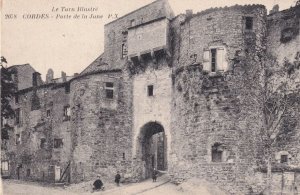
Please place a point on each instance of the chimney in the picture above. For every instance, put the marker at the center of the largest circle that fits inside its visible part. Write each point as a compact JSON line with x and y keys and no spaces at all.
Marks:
{"x":36,"y":79}
{"x":49,"y":76}
{"x":63,"y":76}
{"x":274,"y":9}
{"x":189,"y":13}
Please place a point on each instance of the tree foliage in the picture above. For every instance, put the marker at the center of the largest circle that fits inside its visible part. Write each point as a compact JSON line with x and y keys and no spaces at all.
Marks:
{"x":8,"y":90}
{"x":272,"y":85}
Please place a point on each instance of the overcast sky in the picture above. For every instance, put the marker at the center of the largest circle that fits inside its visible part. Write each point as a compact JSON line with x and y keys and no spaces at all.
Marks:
{"x":70,"y":45}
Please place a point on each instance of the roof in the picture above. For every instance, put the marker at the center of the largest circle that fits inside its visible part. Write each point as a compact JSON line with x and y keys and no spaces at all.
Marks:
{"x":21,"y":66}
{"x":104,"y":62}
{"x":165,"y":4}
{"x":98,"y":64}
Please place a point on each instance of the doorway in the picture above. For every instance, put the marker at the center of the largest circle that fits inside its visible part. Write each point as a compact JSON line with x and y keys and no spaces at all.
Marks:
{"x":152,"y":149}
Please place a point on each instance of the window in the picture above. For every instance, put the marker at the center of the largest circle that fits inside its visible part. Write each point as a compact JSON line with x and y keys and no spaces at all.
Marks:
{"x":4,"y":165}
{"x":58,"y":143}
{"x":16,"y":98}
{"x":109,"y":90}
{"x":43,"y":143}
{"x":4,"y":121}
{"x":27,"y":172}
{"x":13,"y":77}
{"x":35,"y":102}
{"x":216,"y":152}
{"x":123,"y":156}
{"x":214,"y":59}
{"x":150,"y":90}
{"x":48,"y":113}
{"x":18,"y":116}
{"x":249,"y":23}
{"x":67,"y":113}
{"x":283,"y":158}
{"x":67,"y":88}
{"x":124,"y":50}
{"x":18,"y":139}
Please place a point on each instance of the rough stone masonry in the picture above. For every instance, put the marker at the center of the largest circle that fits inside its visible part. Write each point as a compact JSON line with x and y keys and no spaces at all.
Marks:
{"x":168,"y":92}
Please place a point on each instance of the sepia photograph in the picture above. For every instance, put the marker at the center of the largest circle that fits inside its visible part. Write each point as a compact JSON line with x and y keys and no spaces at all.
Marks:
{"x":151,"y":97}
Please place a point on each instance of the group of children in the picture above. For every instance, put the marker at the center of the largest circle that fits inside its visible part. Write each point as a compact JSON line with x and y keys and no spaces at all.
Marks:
{"x":98,"y":184}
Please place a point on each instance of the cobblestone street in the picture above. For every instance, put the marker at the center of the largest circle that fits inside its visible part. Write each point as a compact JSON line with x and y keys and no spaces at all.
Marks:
{"x":147,"y":187}
{"x":162,"y":186}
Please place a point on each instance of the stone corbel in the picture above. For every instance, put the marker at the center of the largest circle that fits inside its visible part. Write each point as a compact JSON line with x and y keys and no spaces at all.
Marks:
{"x":153,"y":56}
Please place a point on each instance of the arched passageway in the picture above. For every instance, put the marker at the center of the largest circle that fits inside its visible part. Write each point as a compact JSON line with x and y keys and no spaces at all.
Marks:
{"x":152,"y":149}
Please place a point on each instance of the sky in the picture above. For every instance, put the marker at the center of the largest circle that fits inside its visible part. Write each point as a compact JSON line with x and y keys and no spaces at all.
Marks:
{"x":68,"y":44}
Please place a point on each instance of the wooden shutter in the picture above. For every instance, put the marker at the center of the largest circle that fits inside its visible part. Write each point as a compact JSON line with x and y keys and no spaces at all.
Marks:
{"x":206,"y":60}
{"x":220,"y":54}
{"x":222,"y":64}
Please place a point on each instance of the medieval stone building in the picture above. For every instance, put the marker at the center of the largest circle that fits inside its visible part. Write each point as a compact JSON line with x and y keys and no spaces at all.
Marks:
{"x":167,"y":92}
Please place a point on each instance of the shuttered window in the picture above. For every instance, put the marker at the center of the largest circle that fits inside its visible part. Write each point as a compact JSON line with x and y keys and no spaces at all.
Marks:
{"x":206,"y":60}
{"x":214,"y":60}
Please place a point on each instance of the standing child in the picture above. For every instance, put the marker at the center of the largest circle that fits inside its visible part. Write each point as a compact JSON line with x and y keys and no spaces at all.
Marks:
{"x":154,"y":175}
{"x":118,"y":178}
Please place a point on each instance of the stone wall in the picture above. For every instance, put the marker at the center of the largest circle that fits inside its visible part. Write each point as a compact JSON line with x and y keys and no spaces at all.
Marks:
{"x":211,"y":120}
{"x":155,"y":108}
{"x":283,"y":42}
{"x":212,"y":108}
{"x":22,"y":75}
{"x":191,"y":35}
{"x":283,"y":34}
{"x":101,"y":136}
{"x":42,"y":121}
{"x":147,"y":37}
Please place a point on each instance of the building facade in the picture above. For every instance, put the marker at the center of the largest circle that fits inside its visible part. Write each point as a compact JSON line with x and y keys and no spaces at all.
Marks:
{"x":168,"y":92}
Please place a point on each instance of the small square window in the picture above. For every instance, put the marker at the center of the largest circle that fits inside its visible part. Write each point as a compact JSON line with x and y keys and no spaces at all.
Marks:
{"x":150,"y":90}
{"x":48,"y":113}
{"x":283,"y":158}
{"x":249,"y":23}
{"x":67,"y":113}
{"x":58,"y":143}
{"x":217,"y":153}
{"x":109,"y":90}
{"x":109,"y":84}
{"x":43,"y":143}
{"x":18,"y":116}
{"x":16,"y":98}
{"x":67,"y":88}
